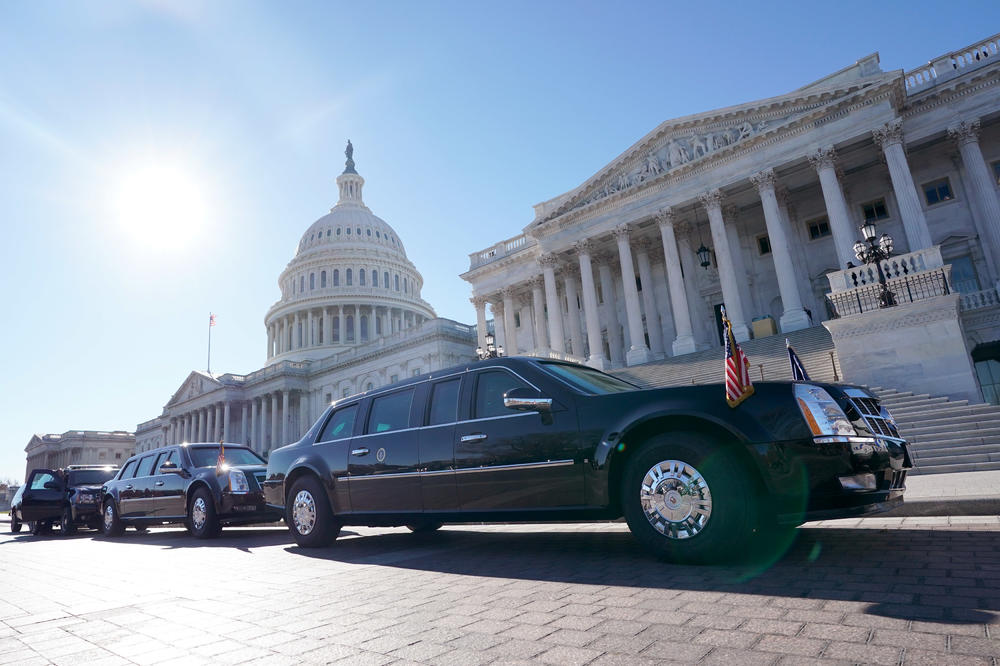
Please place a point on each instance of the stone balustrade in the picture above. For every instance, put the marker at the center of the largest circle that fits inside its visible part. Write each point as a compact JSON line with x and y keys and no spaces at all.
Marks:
{"x":502,"y":249}
{"x":980,"y":299}
{"x":952,"y":64}
{"x":894,"y":267}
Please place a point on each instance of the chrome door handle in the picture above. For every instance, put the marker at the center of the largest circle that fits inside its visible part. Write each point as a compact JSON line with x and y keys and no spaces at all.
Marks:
{"x":359,"y":452}
{"x":159,"y":483}
{"x":128,"y":487}
{"x":478,"y":437}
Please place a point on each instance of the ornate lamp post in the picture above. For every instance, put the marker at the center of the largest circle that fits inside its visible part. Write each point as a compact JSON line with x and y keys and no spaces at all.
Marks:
{"x":871,"y":252}
{"x":492,"y":350}
{"x":703,"y":256}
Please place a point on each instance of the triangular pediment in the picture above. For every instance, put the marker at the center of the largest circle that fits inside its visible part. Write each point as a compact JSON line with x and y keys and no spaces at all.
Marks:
{"x":681,"y":144}
{"x":196,"y":384}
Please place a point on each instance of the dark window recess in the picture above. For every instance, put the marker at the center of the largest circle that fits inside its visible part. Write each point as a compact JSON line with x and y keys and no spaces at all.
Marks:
{"x":638,"y":283}
{"x":996,"y":171}
{"x":819,"y":228}
{"x":340,"y":425}
{"x":874,"y":210}
{"x":444,"y":402}
{"x":963,"y":275}
{"x":390,"y":412}
{"x":490,"y":388}
{"x":128,"y":470}
{"x":764,"y":245}
{"x":517,"y":320}
{"x":938,"y":191}
{"x":145,"y":467}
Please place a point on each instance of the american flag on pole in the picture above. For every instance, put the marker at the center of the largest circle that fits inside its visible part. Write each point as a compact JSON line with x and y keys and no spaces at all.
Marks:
{"x":739,"y":387}
{"x":799,"y":373}
{"x":211,"y":319}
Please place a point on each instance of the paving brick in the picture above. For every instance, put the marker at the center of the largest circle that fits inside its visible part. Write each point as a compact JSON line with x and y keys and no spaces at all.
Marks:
{"x":571,"y":637}
{"x":983,"y":647}
{"x":836,"y":632}
{"x":567,"y":656}
{"x":726,"y":638}
{"x":809,"y":647}
{"x":866,"y":654}
{"x":729,"y":656}
{"x":762,"y":626}
{"x":917,"y":657}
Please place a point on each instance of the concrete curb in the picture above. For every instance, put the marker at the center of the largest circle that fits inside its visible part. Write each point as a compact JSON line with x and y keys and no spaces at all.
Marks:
{"x":987,"y":505}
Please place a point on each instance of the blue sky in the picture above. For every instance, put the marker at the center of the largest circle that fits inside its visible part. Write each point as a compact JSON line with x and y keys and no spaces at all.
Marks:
{"x":116,"y":115}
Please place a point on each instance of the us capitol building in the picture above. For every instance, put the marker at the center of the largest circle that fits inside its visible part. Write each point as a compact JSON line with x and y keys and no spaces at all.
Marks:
{"x":350,"y":319}
{"x":759,"y":207}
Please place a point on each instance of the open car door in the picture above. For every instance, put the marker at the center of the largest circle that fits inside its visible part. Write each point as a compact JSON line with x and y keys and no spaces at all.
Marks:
{"x":44,"y":496}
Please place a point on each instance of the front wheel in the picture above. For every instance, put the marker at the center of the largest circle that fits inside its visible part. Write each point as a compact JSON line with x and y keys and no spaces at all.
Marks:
{"x":308,"y":514}
{"x":111,"y":525}
{"x":202,"y":520}
{"x":688,"y":499}
{"x":66,"y":525}
{"x":41,"y":527}
{"x":15,"y":523}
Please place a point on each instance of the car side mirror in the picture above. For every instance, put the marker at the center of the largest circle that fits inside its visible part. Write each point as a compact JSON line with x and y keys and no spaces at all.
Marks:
{"x":170,"y":467}
{"x":52,"y":485}
{"x":526,"y":400}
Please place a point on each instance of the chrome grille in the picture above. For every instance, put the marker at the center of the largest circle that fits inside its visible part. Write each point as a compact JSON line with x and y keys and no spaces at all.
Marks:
{"x":898,"y":479}
{"x":260,"y":476}
{"x":876,"y":419}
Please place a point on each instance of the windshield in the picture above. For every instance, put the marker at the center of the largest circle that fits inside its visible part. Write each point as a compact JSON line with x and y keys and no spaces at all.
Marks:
{"x":90,"y":477}
{"x":208,"y":456}
{"x":588,"y":380}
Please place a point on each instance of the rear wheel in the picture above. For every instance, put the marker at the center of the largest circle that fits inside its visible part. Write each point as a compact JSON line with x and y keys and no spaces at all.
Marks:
{"x":308,"y":514}
{"x":203,"y":521}
{"x":420,"y":528}
{"x":111,"y":524}
{"x":66,"y":525}
{"x":15,"y":523}
{"x":688,"y":499}
{"x":40,"y":527}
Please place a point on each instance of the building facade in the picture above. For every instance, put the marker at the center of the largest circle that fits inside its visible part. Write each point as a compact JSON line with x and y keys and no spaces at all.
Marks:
{"x":350,"y":318}
{"x":78,"y":447}
{"x":772,"y":193}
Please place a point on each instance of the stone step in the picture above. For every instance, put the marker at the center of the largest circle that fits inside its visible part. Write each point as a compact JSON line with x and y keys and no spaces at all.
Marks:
{"x":955,"y":428}
{"x":980,"y":449}
{"x":977,"y":414}
{"x":916,"y":406}
{"x":965,"y":458}
{"x":970,"y":438}
{"x":956,"y":467}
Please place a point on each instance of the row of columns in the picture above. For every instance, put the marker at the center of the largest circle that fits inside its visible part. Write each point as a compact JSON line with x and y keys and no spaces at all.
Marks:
{"x":328,"y":326}
{"x":549,"y":333}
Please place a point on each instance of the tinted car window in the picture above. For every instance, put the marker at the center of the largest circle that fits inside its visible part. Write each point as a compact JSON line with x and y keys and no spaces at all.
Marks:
{"x":208,"y":456}
{"x":145,"y":466}
{"x":90,"y":477}
{"x":444,"y":402}
{"x":588,"y":380}
{"x":127,"y":470}
{"x":340,"y":425}
{"x":168,"y":456}
{"x":390,"y":412}
{"x":39,"y":480}
{"x":490,"y":387}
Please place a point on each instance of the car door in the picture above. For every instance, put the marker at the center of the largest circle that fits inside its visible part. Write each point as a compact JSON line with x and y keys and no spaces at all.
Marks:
{"x":332,"y":445}
{"x":44,"y":496}
{"x":437,"y":445}
{"x":168,"y":498}
{"x":508,"y":459}
{"x":135,"y":495}
{"x":383,"y":464}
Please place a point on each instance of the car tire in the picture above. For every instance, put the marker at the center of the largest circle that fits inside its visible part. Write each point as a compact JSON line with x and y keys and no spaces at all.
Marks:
{"x":308,"y":514}
{"x":111,"y":522}
{"x":688,"y":499}
{"x":41,"y":527}
{"x":66,"y":524}
{"x":424,"y":527}
{"x":202,"y":519}
{"x":15,"y":523}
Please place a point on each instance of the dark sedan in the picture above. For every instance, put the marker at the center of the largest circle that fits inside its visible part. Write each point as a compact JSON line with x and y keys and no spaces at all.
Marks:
{"x":68,"y":497}
{"x":524,"y":439}
{"x":190,"y":484}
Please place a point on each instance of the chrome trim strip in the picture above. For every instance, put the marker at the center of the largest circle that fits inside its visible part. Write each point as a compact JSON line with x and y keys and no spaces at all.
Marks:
{"x":503,"y":468}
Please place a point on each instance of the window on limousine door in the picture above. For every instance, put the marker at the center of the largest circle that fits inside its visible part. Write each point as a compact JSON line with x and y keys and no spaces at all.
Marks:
{"x":444,"y":402}
{"x":340,"y":425}
{"x":390,"y":412}
{"x":490,"y":387}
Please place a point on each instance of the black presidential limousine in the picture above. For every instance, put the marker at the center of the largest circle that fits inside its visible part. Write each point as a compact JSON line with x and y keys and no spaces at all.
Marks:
{"x":528,"y":439}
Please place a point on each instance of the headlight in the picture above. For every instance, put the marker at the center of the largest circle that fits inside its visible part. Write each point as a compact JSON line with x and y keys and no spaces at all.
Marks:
{"x":821,"y":412}
{"x":238,"y":482}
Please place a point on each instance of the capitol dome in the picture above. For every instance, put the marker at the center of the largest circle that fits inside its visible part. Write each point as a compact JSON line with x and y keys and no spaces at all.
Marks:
{"x":348,"y":284}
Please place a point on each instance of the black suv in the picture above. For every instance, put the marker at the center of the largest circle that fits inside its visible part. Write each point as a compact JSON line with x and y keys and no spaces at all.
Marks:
{"x":520,"y":439}
{"x":69,"y":496}
{"x":203,"y":486}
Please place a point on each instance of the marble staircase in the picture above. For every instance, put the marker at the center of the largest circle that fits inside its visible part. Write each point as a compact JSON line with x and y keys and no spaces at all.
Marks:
{"x":944,"y":435}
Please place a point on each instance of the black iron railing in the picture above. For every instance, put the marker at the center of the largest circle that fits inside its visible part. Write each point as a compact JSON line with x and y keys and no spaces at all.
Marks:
{"x":914,"y":287}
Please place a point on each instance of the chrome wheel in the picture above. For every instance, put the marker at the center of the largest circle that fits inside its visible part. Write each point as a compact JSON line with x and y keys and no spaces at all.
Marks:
{"x":304,"y":512}
{"x":199,"y":513}
{"x":109,"y":517}
{"x":675,"y":499}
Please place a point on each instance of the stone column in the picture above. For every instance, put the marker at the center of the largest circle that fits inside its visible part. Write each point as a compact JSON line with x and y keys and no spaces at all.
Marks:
{"x":557,"y":339}
{"x":793,"y":316}
{"x":685,"y":342}
{"x":270,"y":340}
{"x":285,"y":416}
{"x":220,"y":423}
{"x":243,"y":423}
{"x":510,"y":344}
{"x":841,"y":227}
{"x":225,"y":422}
{"x":653,"y":328}
{"x":538,"y":307}
{"x":638,"y":351}
{"x":195,"y":426}
{"x":309,"y":329}
{"x":712,"y":201}
{"x":327,"y":326}
{"x":303,"y":413}
{"x":275,"y":422}
{"x":890,"y":138}
{"x":342,"y":324}
{"x":480,"y":304}
{"x":966,"y":135}
{"x":570,"y":277}
{"x":499,"y":324}
{"x":357,"y":324}
{"x":615,"y":343}
{"x":254,"y":428}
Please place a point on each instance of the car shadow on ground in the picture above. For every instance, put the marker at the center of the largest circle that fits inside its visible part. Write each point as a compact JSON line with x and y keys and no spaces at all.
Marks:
{"x":915,"y":574}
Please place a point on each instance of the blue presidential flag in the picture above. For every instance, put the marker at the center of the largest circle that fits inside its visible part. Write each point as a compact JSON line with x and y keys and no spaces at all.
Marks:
{"x":799,"y":373}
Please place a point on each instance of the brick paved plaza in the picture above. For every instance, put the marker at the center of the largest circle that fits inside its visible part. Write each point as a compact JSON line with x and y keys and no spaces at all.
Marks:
{"x":880,"y":590}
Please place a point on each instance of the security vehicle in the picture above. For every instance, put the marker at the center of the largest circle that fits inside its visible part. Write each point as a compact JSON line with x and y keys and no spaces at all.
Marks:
{"x":69,"y":497}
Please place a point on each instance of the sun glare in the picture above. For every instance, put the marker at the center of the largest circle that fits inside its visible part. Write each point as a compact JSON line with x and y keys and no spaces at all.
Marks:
{"x":160,"y":206}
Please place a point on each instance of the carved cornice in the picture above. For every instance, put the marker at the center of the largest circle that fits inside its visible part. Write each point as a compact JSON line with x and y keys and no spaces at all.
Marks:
{"x":548,"y":260}
{"x":584,"y":246}
{"x":478,"y":301}
{"x":764,"y":180}
{"x":622,"y":232}
{"x":712,"y":199}
{"x":889,"y":134}
{"x":537,"y":282}
{"x":508,"y":292}
{"x":666,"y":216}
{"x":823,"y":158}
{"x":497,"y":305}
{"x":964,"y":132}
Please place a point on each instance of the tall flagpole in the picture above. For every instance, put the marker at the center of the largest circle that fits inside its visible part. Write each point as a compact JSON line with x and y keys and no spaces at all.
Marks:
{"x":211,"y":323}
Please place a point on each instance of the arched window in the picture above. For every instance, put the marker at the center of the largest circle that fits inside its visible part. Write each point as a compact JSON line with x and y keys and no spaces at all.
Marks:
{"x":369,"y":231}
{"x":397,"y":282}
{"x":369,"y":386}
{"x":350,"y":328}
{"x":338,"y":231}
{"x":404,"y":286}
{"x":378,"y":325}
{"x":361,"y":277}
{"x":336,"y":328}
{"x":336,"y":277}
{"x":322,"y":279}
{"x":364,"y":327}
{"x":302,"y":284}
{"x":359,"y":231}
{"x":374,"y":278}
{"x":350,"y":277}
{"x":385,"y":279}
{"x":348,"y":231}
{"x":312,"y":280}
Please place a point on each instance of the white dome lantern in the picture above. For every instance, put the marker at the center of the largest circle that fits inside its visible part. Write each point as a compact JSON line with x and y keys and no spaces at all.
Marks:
{"x":349,"y":283}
